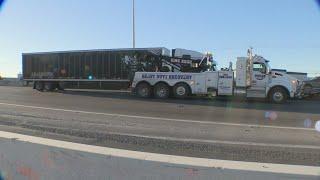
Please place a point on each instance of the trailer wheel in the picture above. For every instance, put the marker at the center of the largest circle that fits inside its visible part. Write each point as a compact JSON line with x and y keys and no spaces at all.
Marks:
{"x":48,"y":86}
{"x":161,"y":91}
{"x":61,"y":86}
{"x":181,"y":90}
{"x":278,"y":95}
{"x":143,"y":90}
{"x":38,"y":86}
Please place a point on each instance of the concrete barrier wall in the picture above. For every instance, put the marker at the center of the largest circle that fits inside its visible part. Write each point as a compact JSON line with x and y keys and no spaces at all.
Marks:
{"x":11,"y":82}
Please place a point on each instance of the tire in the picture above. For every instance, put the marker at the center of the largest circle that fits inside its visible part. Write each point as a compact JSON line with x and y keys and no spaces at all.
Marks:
{"x":61,"y":86}
{"x":181,"y":90}
{"x":161,"y":91}
{"x":48,"y":86}
{"x":143,"y":90}
{"x":278,"y":95}
{"x":38,"y":86}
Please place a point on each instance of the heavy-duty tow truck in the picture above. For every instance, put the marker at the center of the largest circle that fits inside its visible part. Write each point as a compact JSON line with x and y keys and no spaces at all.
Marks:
{"x":252,"y":78}
{"x":156,"y":72}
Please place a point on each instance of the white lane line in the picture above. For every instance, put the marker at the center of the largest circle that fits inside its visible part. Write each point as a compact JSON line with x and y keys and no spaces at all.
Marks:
{"x":188,"y":121}
{"x":159,"y":118}
{"x":171,"y":159}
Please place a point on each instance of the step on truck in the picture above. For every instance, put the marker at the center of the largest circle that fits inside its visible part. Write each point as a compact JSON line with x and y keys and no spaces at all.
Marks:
{"x":252,"y":78}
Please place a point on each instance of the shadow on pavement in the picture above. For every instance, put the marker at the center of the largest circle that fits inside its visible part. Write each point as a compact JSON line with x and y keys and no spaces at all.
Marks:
{"x":302,"y":106}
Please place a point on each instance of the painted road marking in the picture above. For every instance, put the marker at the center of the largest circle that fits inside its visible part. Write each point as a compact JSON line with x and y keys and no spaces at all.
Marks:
{"x":211,"y":141}
{"x":180,"y":160}
{"x":159,"y":118}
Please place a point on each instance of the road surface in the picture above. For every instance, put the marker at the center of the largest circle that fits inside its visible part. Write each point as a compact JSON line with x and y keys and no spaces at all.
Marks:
{"x":34,"y":158}
{"x":207,"y":128}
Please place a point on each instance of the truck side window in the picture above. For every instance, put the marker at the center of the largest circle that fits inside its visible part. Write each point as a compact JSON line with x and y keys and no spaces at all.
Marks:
{"x":259,"y":67}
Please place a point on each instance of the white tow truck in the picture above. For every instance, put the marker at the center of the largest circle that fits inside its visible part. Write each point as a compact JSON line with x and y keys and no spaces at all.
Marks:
{"x":252,"y":78}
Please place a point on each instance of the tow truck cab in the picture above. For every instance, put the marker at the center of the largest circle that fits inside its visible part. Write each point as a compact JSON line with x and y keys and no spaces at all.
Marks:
{"x":254,"y":75}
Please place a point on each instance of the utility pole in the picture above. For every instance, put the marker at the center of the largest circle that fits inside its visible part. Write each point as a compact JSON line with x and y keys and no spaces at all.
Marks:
{"x":133,"y":25}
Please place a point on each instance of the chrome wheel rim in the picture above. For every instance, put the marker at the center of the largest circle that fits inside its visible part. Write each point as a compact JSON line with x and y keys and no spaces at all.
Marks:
{"x":162,"y":92}
{"x":143,"y":92}
{"x":278,"y":96}
{"x":181,"y":91}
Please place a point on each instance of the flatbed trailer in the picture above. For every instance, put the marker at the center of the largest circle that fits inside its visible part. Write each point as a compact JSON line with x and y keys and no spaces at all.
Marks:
{"x":88,"y":69}
{"x":111,"y":69}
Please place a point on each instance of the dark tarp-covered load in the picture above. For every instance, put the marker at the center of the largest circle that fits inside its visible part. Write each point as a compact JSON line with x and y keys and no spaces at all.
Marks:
{"x":91,"y":64}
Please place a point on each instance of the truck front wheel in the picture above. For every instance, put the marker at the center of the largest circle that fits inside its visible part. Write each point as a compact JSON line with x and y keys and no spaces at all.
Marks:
{"x":161,"y":91}
{"x":181,"y":90}
{"x":278,"y":95}
{"x":143,"y":90}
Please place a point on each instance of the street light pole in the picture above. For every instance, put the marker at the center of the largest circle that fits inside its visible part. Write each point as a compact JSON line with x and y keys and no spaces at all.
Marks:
{"x":133,"y":25}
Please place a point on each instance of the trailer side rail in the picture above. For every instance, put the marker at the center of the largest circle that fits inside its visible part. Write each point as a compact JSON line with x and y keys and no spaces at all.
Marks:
{"x":80,"y":80}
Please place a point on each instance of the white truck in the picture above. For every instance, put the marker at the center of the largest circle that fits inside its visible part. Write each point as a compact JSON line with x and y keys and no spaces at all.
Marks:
{"x":251,"y":78}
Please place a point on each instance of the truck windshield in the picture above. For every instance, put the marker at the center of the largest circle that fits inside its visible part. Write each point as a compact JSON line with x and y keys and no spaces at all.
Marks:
{"x":261,"y":67}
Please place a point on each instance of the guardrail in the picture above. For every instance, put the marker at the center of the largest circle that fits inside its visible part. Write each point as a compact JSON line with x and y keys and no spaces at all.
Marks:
{"x":11,"y":82}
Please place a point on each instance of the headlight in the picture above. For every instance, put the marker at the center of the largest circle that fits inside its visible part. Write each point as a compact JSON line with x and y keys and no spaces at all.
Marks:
{"x":295,"y":82}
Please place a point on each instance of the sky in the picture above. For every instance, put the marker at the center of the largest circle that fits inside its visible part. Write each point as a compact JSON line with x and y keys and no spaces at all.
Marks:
{"x":285,"y":32}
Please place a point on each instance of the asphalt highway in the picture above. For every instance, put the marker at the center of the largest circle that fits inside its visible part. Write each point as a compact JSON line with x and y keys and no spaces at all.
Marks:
{"x":28,"y":157}
{"x":229,"y":129}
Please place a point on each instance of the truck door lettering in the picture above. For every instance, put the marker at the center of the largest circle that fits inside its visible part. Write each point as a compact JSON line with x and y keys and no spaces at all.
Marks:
{"x":148,"y":76}
{"x":185,"y":77}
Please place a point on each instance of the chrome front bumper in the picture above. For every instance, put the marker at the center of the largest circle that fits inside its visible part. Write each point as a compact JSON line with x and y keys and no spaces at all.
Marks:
{"x":299,"y":91}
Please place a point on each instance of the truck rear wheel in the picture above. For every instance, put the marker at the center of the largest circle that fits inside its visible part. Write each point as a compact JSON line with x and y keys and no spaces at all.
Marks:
{"x":181,"y":90}
{"x":143,"y":90}
{"x":161,"y":91}
{"x":38,"y":86}
{"x":278,"y":95}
